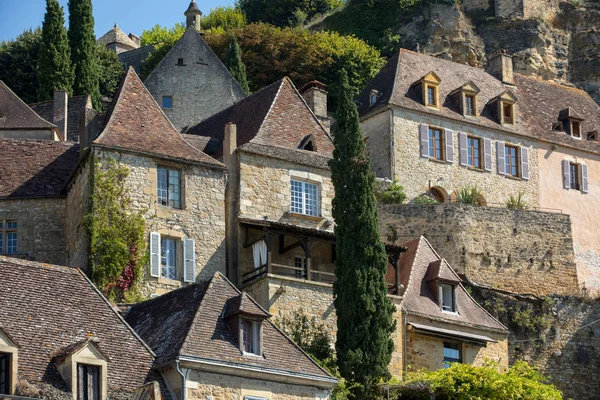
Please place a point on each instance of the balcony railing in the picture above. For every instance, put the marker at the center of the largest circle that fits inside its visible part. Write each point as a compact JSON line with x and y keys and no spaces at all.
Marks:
{"x":308,"y":273}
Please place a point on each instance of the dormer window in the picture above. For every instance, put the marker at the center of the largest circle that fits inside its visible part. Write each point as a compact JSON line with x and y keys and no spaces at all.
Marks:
{"x":576,"y":129}
{"x":5,"y":373}
{"x":447,"y":297}
{"x":308,"y":143}
{"x":88,"y":382}
{"x":593,"y":135}
{"x":250,"y":337}
{"x":465,"y":98}
{"x":430,"y":90}
{"x":507,"y":113}
{"x":506,"y":108}
{"x":432,"y":96}
{"x":469,"y":105}
{"x":571,"y":122}
{"x":8,"y":364}
{"x":373,"y":97}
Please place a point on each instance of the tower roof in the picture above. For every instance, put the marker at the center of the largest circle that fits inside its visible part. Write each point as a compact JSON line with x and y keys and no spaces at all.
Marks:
{"x":116,"y":35}
{"x":193,"y":8}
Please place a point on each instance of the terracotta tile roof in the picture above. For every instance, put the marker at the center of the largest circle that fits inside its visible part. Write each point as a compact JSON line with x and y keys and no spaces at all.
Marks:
{"x":190,"y":322}
{"x":36,"y":168}
{"x":48,"y":308}
{"x":276,"y":115}
{"x":76,"y":110}
{"x":15,"y":114}
{"x":116,"y":35}
{"x":419,"y":298}
{"x":137,"y":124}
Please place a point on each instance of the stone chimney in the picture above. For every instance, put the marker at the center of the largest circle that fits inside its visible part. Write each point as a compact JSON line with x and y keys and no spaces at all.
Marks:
{"x":59,"y":116}
{"x":500,"y":65}
{"x":135,"y":38}
{"x":316,"y":97}
{"x":229,"y":142}
{"x":192,"y":16}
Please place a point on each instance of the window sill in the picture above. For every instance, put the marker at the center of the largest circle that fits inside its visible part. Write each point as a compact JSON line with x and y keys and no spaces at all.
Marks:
{"x":169,"y":207}
{"x":252,"y":355}
{"x":431,"y":107}
{"x":475,"y":169}
{"x":514,"y":178}
{"x":437,"y":160}
{"x":304,"y":216}
{"x":450,"y":312}
{"x":168,"y":281}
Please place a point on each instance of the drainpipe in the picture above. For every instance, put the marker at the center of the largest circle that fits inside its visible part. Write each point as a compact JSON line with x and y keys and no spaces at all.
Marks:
{"x":405,"y":339}
{"x":183,"y":380}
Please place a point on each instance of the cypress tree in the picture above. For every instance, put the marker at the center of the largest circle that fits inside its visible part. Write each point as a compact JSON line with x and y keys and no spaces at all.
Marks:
{"x":54,"y":62}
{"x":83,"y":50}
{"x":234,"y":64}
{"x":364,"y":313}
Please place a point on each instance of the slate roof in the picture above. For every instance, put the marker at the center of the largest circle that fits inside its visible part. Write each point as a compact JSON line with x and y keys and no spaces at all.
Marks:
{"x":134,"y":58}
{"x":419,"y":298}
{"x":193,"y":7}
{"x":36,"y":168}
{"x":116,"y":35}
{"x":137,"y":124}
{"x":539,"y":103}
{"x":15,"y":114}
{"x":190,"y":322}
{"x":49,"y":309}
{"x":275,"y":116}
{"x":77,"y":107}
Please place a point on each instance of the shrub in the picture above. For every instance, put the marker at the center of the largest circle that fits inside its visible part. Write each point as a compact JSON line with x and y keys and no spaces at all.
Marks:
{"x":470,"y":195}
{"x":308,"y":333}
{"x":517,"y":202}
{"x":425,"y":199}
{"x":393,"y":195}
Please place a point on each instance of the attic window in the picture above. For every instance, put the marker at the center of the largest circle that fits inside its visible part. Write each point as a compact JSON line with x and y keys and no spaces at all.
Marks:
{"x":557,"y":126}
{"x":308,"y":143}
{"x":250,"y":340}
{"x":593,"y":135}
{"x":180,"y":61}
{"x":5,"y":373}
{"x":432,"y":96}
{"x":576,"y":129}
{"x":508,"y":116}
{"x":373,"y":97}
{"x":447,"y":297}
{"x":469,"y":104}
{"x":430,"y":90}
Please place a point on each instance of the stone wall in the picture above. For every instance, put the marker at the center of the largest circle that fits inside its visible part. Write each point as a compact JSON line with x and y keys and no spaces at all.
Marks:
{"x":377,"y":130}
{"x":77,"y":207}
{"x":518,"y":251}
{"x":41,"y":232}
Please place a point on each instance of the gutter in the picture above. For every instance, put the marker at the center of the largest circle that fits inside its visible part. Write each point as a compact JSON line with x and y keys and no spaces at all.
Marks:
{"x":183,"y":380}
{"x":405,"y":342}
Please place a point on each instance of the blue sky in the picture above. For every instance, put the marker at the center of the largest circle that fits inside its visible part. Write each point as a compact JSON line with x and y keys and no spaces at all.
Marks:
{"x":131,"y":15}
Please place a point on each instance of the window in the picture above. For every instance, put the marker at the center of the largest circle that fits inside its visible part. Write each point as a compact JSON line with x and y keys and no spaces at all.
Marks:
{"x":8,"y":237}
{"x":507,"y":111}
{"x":431,"y":96}
{"x":469,"y":104}
{"x":373,"y":97}
{"x":300,"y":263}
{"x":511,"y":160}
{"x":5,"y":364}
{"x":435,"y":143}
{"x":168,"y":257}
{"x":167,"y":102}
{"x":180,"y":61}
{"x":474,"y":152}
{"x":250,"y":336}
{"x":88,"y":382}
{"x":574,"y":176}
{"x":576,"y":129}
{"x":451,"y":354}
{"x":593,"y":135}
{"x":447,"y":299}
{"x":305,"y":198}
{"x":169,"y":187}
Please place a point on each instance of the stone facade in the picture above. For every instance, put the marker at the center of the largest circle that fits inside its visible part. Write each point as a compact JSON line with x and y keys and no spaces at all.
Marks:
{"x":197,"y":82}
{"x":41,"y":234}
{"x":77,"y":206}
{"x":518,"y":251}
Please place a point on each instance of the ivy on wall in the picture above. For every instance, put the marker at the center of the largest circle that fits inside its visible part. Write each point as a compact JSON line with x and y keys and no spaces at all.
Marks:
{"x":117,"y":252}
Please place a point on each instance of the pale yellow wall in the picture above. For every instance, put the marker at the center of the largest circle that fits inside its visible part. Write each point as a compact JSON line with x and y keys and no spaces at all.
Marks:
{"x":376,"y":131}
{"x":583,"y":207}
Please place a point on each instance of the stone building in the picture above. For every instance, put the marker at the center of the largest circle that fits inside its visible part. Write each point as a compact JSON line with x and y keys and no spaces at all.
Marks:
{"x":59,"y":337}
{"x":223,"y":345}
{"x":191,"y":83}
{"x":117,"y":41}
{"x":436,"y":126}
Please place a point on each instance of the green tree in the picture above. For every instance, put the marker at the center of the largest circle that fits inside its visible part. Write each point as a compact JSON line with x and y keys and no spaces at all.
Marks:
{"x":83,"y":50}
{"x":110,"y":71}
{"x":235,"y":65}
{"x":281,"y":12}
{"x":224,"y":17}
{"x":54,"y":62}
{"x":18,"y":64}
{"x":364,"y":313}
{"x":163,"y":39}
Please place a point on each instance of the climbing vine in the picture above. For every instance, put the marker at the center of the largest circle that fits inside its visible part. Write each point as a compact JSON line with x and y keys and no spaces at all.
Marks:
{"x":117,"y":253}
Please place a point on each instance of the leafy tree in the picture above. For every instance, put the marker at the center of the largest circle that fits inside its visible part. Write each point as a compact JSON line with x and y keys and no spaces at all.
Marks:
{"x":234,"y":64}
{"x":18,"y":64}
{"x":54,"y":61}
{"x":83,"y":50}
{"x":364,"y":313}
{"x":110,"y":71}
{"x":164,"y":39}
{"x":281,"y":12}
{"x":224,"y":17}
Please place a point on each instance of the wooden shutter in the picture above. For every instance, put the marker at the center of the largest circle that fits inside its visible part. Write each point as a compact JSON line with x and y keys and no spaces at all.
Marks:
{"x":449,"y":139}
{"x":500,"y":158}
{"x":584,"y":178}
{"x":189,"y":260}
{"x":487,"y":154}
{"x":424,"y":138}
{"x":93,"y":382}
{"x":155,"y":254}
{"x":524,"y":163}
{"x":566,"y":174}
{"x":81,"y":381}
{"x":462,"y":149}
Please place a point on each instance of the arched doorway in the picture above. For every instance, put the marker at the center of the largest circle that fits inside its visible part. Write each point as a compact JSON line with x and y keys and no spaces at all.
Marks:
{"x":439,"y":194}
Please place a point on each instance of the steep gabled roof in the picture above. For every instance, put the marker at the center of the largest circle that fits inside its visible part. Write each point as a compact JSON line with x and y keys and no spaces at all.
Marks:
{"x":137,"y":124}
{"x":192,"y":322}
{"x":77,"y":107}
{"x":15,"y":114}
{"x":116,"y":35}
{"x":417,"y":265}
{"x":36,"y":168}
{"x":276,"y":115}
{"x":51,"y":310}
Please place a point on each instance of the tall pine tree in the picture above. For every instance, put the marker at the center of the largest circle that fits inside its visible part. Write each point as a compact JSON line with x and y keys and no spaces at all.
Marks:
{"x":234,"y":63}
{"x":364,"y":313}
{"x":54,"y":62}
{"x":83,"y":50}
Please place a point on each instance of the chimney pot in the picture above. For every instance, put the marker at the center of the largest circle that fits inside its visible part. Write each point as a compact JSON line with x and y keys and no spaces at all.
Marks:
{"x":229,"y":142}
{"x":500,"y":65}
{"x":60,"y":111}
{"x":316,"y":97}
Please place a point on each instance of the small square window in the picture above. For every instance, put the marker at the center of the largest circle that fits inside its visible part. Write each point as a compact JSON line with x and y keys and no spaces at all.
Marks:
{"x":511,"y":156}
{"x":447,"y":298}
{"x":305,"y":198}
{"x":169,"y":187}
{"x":167,"y":102}
{"x":9,"y":237}
{"x":436,"y":145}
{"x":452,"y":354}
{"x":168,"y":257}
{"x":180,"y":61}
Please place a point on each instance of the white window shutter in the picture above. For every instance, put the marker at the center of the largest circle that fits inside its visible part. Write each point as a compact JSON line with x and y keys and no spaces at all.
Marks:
{"x":449,"y":139}
{"x":189,"y":260}
{"x":155,"y":254}
{"x":524,"y":163}
{"x":500,"y":158}
{"x":487,"y":154}
{"x":584,"y":178}
{"x":566,"y":174}
{"x":462,"y":148}
{"x":424,"y":138}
